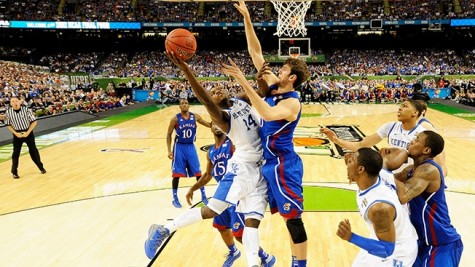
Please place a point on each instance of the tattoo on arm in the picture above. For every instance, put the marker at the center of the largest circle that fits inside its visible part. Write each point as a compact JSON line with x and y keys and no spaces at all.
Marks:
{"x":381,"y":221}
{"x":382,"y":216}
{"x":420,"y":181}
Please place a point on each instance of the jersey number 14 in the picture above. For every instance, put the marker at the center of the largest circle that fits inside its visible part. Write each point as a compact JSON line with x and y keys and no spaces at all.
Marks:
{"x":249,"y":122}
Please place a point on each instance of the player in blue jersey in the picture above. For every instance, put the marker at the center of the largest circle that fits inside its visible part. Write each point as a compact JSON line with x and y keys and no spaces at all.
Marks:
{"x":280,"y":111}
{"x":185,"y":162}
{"x":229,"y":223}
{"x":422,"y":185}
{"x":242,"y":185}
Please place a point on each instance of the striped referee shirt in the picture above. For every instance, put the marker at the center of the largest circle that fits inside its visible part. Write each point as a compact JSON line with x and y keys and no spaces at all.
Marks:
{"x":20,"y":119}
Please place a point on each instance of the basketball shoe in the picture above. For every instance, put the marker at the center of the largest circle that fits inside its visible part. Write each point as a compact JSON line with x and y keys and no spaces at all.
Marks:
{"x":269,"y":262}
{"x":231,"y":257}
{"x":156,"y":235}
{"x":176,"y":203}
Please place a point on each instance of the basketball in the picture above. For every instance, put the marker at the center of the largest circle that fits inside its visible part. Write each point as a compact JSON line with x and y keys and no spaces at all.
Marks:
{"x":182,"y":43}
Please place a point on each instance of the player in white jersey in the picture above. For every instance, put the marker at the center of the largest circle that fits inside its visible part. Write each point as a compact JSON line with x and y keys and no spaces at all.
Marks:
{"x":393,"y":239}
{"x":242,"y":185}
{"x":399,"y":133}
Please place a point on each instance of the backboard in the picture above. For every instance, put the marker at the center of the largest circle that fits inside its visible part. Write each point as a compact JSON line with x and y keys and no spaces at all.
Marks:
{"x":293,"y":46}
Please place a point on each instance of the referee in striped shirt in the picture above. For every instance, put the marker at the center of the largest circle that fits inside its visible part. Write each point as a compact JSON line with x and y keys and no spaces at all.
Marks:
{"x":21,"y":122}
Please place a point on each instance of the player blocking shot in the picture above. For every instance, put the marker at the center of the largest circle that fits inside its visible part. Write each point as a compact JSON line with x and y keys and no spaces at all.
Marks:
{"x":242,"y":185}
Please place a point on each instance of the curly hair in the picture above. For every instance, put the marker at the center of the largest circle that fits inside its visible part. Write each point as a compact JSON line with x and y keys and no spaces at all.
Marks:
{"x":300,"y":69}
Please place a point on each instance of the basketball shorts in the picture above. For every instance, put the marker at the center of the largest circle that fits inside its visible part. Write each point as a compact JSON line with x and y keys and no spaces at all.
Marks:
{"x":230,"y":219}
{"x":404,"y":256}
{"x":447,"y":255}
{"x":185,"y":161}
{"x":284,"y":178}
{"x":244,"y":187}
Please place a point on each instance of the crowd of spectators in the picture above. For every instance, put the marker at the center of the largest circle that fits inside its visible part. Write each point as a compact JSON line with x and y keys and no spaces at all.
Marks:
{"x":350,"y":62}
{"x":403,"y":62}
{"x":350,"y":10}
{"x":221,"y":11}
{"x":71,"y":62}
{"x":46,"y":94}
{"x":467,"y":9}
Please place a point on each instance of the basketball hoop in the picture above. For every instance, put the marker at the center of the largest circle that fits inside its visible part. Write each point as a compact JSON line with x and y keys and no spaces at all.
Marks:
{"x":294,"y":52}
{"x":294,"y":55}
{"x":291,"y":20}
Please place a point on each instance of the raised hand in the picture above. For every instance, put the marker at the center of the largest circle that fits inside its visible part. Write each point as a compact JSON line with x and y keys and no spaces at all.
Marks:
{"x":329,"y":133}
{"x":234,"y":71}
{"x":176,"y":60}
{"x":242,"y":8}
{"x":263,"y":71}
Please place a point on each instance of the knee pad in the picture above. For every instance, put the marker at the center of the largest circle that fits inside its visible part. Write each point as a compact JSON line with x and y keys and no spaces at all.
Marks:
{"x":296,"y":230}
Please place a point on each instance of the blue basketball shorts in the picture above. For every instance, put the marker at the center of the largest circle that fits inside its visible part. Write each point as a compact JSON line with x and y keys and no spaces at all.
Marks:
{"x":185,"y":161}
{"x":230,"y":219}
{"x":447,"y":255}
{"x":284,"y":180}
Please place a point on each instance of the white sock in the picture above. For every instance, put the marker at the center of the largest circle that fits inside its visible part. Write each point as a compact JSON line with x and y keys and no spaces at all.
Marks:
{"x":250,"y":240}
{"x":187,"y":218}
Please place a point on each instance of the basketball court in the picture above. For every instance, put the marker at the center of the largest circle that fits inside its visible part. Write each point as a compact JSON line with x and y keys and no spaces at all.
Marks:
{"x":108,"y":180}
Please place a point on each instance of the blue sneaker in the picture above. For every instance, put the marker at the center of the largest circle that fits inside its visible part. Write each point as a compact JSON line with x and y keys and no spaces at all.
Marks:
{"x":176,"y":203}
{"x":204,"y":199}
{"x":231,"y":257}
{"x":156,"y":235}
{"x":269,"y":262}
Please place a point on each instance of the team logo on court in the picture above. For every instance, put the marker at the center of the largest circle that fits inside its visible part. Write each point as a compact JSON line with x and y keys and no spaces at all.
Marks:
{"x":345,"y":132}
{"x":287,"y":206}
{"x":309,"y":141}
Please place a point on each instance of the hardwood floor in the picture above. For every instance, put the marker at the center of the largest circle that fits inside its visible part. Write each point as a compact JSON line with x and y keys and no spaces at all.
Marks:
{"x":105,"y":186}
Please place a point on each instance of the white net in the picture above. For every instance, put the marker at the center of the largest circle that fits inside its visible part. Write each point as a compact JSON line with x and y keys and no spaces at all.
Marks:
{"x":291,"y":21}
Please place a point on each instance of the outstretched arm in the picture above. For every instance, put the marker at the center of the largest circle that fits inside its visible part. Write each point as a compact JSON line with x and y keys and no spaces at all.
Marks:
{"x":217,"y":115}
{"x":286,"y":109}
{"x":204,"y":179}
{"x":368,"y":141}
{"x":253,"y":44}
{"x":200,"y":120}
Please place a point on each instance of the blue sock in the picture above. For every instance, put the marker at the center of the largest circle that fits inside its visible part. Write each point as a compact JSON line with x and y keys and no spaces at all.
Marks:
{"x":175,"y":191}
{"x":262,"y":254}
{"x":203,"y":193}
{"x":302,"y":263}
{"x":232,"y":248}
{"x":294,"y":261}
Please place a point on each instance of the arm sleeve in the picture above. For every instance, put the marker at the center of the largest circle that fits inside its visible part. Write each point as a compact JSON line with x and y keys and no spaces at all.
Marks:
{"x":379,"y":248}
